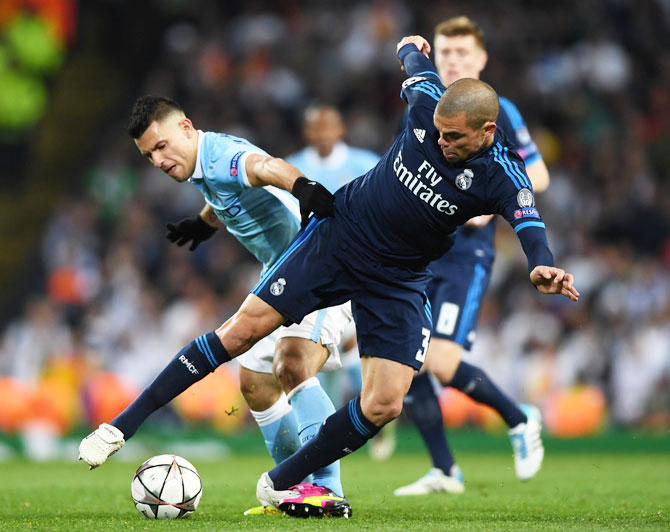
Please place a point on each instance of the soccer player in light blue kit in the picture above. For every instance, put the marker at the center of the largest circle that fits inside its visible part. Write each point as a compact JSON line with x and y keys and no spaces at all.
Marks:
{"x":460,"y":279}
{"x":235,"y":179}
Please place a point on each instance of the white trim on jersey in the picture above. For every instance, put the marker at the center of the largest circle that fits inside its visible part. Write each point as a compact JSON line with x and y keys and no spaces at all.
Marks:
{"x":242,"y":168}
{"x":197,"y":171}
{"x":286,"y":198}
{"x":336,"y":158}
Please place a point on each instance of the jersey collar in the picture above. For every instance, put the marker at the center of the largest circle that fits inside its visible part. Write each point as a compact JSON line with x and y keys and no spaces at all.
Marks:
{"x":335,"y":159}
{"x":197,"y":172}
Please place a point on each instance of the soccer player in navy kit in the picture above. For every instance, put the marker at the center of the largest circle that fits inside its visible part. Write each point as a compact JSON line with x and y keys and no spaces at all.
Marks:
{"x":460,"y":279}
{"x":388,"y":225}
{"x":449,"y":165}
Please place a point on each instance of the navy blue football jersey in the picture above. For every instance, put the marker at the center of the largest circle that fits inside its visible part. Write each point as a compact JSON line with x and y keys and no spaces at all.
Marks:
{"x":405,"y":210}
{"x":478,"y":243}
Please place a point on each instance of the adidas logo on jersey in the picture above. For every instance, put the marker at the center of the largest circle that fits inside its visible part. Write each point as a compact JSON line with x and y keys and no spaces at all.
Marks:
{"x":420,"y":134}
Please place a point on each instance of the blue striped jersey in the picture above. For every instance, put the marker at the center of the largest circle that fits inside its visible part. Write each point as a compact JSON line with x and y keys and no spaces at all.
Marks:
{"x":479,"y":243}
{"x":263,"y":219}
{"x":404,"y":211}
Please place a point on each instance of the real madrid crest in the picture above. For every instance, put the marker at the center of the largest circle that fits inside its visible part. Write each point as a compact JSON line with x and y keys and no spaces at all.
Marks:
{"x":525,"y":198}
{"x":277,"y":288}
{"x":464,"y":179}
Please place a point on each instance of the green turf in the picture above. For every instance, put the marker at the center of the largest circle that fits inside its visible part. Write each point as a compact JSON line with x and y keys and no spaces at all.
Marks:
{"x":580,"y":491}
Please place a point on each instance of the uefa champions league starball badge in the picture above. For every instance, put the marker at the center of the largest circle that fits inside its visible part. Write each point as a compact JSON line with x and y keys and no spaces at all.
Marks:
{"x":277,"y":288}
{"x":464,"y":179}
{"x":525,"y":198}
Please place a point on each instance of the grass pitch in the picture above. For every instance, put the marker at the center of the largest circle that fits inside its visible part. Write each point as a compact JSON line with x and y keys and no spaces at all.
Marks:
{"x":573,"y":491}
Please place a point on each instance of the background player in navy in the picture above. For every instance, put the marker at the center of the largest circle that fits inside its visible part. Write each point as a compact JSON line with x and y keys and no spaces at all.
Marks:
{"x":460,"y":279}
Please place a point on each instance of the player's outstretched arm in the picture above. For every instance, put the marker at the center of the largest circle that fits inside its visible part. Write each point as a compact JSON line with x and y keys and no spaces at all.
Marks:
{"x":551,"y":280}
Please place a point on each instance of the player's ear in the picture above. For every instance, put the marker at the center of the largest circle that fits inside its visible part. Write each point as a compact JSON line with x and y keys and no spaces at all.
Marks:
{"x":490,"y":128}
{"x":187,"y":127}
{"x":483,"y":58}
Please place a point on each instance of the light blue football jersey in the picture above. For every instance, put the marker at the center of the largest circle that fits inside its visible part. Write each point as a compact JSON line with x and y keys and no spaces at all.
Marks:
{"x":342,"y":165}
{"x":263,"y":219}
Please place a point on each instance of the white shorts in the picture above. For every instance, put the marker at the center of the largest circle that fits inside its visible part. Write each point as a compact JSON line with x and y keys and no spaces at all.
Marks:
{"x":325,"y":325}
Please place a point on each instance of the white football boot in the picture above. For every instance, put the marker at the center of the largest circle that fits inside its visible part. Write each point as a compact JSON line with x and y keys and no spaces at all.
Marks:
{"x":526,"y":441}
{"x":302,"y":500}
{"x":267,"y":495}
{"x":100,"y":444}
{"x":435,"y":481}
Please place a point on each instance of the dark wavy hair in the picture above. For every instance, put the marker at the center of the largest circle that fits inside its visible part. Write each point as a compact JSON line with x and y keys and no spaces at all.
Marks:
{"x":146,"y":110}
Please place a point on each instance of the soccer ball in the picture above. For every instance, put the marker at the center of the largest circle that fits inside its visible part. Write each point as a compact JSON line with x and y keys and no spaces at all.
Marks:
{"x":166,"y":487}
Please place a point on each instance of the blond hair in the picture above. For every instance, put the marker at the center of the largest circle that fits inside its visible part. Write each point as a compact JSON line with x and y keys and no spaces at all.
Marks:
{"x":458,"y":26}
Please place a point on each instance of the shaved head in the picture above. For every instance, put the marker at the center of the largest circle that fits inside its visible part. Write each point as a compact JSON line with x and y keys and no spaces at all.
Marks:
{"x":471,"y":96}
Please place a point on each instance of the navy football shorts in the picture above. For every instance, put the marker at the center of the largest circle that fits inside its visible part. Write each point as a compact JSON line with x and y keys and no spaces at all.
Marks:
{"x":322,"y":268}
{"x":456,"y":293}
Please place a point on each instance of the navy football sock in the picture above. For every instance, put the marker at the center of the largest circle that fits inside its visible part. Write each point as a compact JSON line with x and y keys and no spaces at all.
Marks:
{"x":197,"y":360}
{"x":423,"y":408}
{"x":341,"y":434}
{"x":474,"y":382}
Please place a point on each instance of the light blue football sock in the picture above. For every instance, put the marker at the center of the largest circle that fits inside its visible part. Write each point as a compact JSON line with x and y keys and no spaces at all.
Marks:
{"x":280,"y":429}
{"x":311,"y":406}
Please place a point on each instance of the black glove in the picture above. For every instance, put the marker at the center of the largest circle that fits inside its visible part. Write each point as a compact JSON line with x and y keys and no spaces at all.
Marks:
{"x":190,"y":229}
{"x":313,"y":197}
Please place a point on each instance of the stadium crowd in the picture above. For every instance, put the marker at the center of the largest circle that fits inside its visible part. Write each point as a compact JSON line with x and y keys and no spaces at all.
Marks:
{"x":593,"y":80}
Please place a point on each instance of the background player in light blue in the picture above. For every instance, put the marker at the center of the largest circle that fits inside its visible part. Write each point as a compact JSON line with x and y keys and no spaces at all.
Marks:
{"x":326,"y":157}
{"x":333,"y":163}
{"x":457,"y":290}
{"x":235,"y":179}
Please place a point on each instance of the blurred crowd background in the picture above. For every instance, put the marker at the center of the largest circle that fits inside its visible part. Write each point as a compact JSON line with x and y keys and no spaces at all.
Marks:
{"x":95,"y":300}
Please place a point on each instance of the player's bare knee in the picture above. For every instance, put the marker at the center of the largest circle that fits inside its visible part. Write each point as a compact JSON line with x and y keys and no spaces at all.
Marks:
{"x":290,"y":374}
{"x":443,"y":359}
{"x":296,"y":360}
{"x":380,"y":412}
{"x":260,"y":390}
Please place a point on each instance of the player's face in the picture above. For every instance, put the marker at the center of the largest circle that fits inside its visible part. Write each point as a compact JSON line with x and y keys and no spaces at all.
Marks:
{"x":458,"y":57}
{"x":171,"y":145}
{"x":459,"y":141}
{"x":323,"y":129}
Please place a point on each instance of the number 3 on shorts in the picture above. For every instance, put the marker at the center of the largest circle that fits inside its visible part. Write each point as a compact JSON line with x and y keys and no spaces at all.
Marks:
{"x":421,"y":353}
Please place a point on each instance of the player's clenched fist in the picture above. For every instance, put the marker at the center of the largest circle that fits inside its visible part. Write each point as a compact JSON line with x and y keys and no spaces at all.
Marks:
{"x":313,"y":198}
{"x":422,"y":44}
